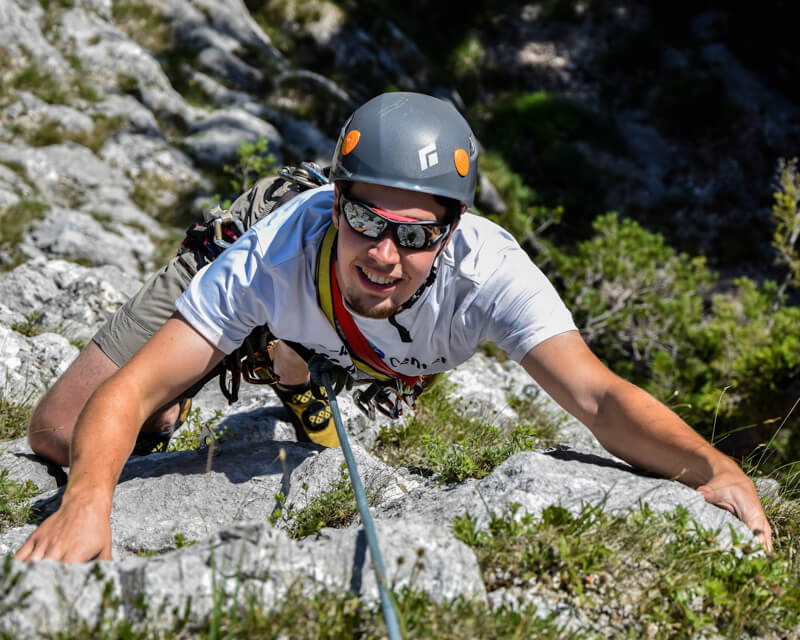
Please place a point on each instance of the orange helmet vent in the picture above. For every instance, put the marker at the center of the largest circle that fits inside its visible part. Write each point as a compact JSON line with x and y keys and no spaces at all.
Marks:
{"x":350,"y":141}
{"x":461,"y":160}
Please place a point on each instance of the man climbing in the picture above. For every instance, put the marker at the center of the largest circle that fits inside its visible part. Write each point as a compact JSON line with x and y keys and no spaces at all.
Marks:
{"x":380,"y":272}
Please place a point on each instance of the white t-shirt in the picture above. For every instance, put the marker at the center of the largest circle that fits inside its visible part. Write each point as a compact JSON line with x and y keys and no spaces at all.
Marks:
{"x":487,"y":288}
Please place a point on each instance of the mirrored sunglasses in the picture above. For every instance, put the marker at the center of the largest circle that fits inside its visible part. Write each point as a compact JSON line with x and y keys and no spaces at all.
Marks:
{"x":372,"y":223}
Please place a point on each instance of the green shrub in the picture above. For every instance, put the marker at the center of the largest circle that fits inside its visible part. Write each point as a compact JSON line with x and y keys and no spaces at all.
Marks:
{"x":786,"y":215}
{"x":726,"y":360}
{"x":632,"y":296}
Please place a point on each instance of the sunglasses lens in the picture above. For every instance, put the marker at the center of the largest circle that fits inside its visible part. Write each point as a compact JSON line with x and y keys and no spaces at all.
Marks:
{"x":412,"y":236}
{"x":363,"y":220}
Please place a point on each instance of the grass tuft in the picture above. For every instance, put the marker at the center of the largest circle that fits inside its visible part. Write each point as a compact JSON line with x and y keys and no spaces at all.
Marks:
{"x":464,"y":446}
{"x":14,"y":418}
{"x":14,"y":497}
{"x":335,"y":508}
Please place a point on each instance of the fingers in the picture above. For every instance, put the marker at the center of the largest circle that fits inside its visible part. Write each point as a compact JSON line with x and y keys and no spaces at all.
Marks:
{"x":69,"y":536}
{"x":744,"y":506}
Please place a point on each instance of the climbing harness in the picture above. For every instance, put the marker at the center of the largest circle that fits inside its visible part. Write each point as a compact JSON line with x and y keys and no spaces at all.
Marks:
{"x":320,"y":369}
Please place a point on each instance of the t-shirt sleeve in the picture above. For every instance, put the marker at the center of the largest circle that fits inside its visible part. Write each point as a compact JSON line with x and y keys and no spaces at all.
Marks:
{"x":523,"y":308}
{"x":225,"y":300}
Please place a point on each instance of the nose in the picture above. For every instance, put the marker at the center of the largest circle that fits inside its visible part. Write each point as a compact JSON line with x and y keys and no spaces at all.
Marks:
{"x":385,"y":250}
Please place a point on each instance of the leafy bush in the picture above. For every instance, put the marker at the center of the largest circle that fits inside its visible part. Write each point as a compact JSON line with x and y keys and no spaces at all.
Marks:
{"x":632,"y":296}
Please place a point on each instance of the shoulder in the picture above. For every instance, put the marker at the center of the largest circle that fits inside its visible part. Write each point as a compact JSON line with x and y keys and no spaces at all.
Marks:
{"x":479,"y":248}
{"x":295,"y":226}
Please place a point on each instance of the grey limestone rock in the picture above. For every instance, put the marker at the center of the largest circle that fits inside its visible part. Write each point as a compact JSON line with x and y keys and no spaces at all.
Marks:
{"x":566,"y":477}
{"x":230,"y":18}
{"x":217,"y":137}
{"x":223,"y":498}
{"x":250,"y":560}
{"x":22,"y":37}
{"x":71,"y":176}
{"x":64,"y":233}
{"x":28,"y":111}
{"x":63,"y":296}
{"x":110,"y":55}
{"x":28,"y":365}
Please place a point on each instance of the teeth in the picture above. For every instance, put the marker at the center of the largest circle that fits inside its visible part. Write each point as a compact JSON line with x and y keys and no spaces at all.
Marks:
{"x":376,"y":279}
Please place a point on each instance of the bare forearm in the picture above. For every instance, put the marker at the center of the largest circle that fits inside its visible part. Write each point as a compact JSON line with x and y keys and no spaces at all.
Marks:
{"x":633,"y":425}
{"x":103,"y":440}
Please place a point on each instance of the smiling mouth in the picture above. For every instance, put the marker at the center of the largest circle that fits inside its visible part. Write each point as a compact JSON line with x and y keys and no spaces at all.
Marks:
{"x":378,"y":279}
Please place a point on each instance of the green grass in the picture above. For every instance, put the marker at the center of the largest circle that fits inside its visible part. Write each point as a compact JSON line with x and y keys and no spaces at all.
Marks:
{"x":338,"y":615}
{"x":14,"y":496}
{"x":446,"y":438}
{"x":15,"y":413}
{"x":14,"y":220}
{"x":50,"y":132}
{"x":659,"y":576}
{"x":41,"y":83}
{"x":143,"y":23}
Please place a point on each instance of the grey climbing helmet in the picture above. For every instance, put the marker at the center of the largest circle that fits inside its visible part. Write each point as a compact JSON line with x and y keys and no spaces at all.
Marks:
{"x":410,"y":141}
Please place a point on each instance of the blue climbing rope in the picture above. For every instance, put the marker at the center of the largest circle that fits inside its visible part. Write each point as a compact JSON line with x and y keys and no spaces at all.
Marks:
{"x":389,"y":614}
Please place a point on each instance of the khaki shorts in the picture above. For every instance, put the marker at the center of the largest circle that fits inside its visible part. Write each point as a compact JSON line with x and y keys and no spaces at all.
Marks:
{"x":142,"y":315}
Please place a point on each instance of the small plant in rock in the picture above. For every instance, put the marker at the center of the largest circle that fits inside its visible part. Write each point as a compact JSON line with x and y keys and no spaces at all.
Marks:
{"x":477,"y":454}
{"x":335,"y":507}
{"x":31,"y":326}
{"x":14,"y":497}
{"x":197,"y":432}
{"x":14,"y":417}
{"x":254,"y":162}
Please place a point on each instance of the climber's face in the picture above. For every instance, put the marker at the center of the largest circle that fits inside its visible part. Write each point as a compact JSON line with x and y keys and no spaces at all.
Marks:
{"x":378,"y":274}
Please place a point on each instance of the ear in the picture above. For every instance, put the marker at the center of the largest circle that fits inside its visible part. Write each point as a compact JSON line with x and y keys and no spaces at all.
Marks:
{"x":335,"y":208}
